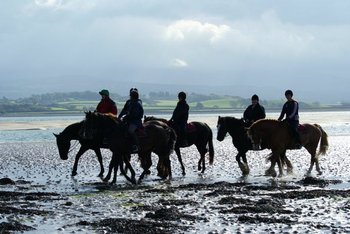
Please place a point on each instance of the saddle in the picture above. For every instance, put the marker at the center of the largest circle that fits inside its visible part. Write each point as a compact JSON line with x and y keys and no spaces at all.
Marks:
{"x":141,"y":132}
{"x":190,"y":127}
{"x":302,"y":128}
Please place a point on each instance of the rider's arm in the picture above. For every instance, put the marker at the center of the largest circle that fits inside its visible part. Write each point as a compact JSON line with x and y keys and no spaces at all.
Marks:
{"x":283,"y":112}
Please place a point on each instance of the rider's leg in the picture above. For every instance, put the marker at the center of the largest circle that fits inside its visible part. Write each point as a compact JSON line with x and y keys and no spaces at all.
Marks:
{"x":134,"y":139}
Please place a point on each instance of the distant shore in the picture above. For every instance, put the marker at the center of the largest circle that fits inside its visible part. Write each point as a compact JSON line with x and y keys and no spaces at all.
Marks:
{"x":165,"y":112}
{"x":42,"y":122}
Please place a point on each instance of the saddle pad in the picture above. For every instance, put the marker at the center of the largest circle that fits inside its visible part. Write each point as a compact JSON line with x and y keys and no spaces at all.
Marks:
{"x":301,"y":128}
{"x":190,"y":127}
{"x":140,"y":132}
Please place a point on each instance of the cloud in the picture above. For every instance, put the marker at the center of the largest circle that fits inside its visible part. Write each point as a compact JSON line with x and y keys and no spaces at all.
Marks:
{"x":67,"y":5}
{"x":191,"y":29}
{"x":179,"y":63}
{"x":48,"y":3}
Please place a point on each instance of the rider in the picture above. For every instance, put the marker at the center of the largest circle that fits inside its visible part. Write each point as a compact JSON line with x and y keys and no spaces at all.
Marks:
{"x":132,"y":114}
{"x":106,"y":105}
{"x":254,"y":112}
{"x":291,"y":109}
{"x":180,"y":117}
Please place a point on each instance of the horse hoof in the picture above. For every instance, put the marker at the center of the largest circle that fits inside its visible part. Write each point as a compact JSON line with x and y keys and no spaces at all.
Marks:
{"x":100,"y":175}
{"x":74,"y":173}
{"x":270,"y":173}
{"x":183,"y":173}
{"x":133,"y":181}
{"x":105,"y":179}
{"x":319,"y":173}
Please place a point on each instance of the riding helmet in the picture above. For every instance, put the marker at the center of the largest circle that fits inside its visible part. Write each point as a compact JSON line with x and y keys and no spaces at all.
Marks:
{"x":134,"y":94}
{"x":290,"y":92}
{"x":255,"y":97}
{"x":182,"y":95}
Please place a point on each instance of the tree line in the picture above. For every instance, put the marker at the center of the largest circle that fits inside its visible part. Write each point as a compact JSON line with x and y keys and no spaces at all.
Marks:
{"x":74,"y":102}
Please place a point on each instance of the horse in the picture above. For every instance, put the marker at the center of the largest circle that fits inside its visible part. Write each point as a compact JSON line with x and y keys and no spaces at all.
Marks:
{"x":200,"y":136}
{"x":72,"y":132}
{"x":237,"y":130}
{"x":153,"y":138}
{"x":278,"y":137}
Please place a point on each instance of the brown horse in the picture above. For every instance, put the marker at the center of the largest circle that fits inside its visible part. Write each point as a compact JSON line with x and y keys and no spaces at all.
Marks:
{"x":201,"y":137}
{"x":278,"y":137}
{"x":237,"y":130}
{"x":153,"y":138}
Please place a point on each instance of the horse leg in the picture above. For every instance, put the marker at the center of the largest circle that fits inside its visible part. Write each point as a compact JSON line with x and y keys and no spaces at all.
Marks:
{"x":110,"y":168}
{"x":241,"y":165}
{"x":126,"y":169}
{"x":169,"y":168}
{"x":287,"y":162}
{"x":127,"y":166}
{"x":201,"y":163}
{"x":318,"y":166}
{"x":271,"y":171}
{"x":146,"y":163}
{"x":81,"y":151}
{"x":99,"y":158}
{"x":280,"y":168}
{"x":117,"y":163}
{"x":178,"y":153}
{"x":314,"y":159}
{"x":246,"y":167}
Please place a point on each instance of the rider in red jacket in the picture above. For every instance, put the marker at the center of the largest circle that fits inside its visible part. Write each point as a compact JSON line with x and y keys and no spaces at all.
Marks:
{"x":106,"y":105}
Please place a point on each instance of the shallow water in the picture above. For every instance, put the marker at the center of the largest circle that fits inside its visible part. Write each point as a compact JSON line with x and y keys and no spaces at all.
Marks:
{"x":32,"y":156}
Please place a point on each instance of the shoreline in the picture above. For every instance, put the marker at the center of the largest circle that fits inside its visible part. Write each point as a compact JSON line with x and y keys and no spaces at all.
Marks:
{"x":165,"y":112}
{"x":25,"y":123}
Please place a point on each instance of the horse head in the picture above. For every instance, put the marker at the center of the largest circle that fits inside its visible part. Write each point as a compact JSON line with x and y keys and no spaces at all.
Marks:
{"x":231,"y":125}
{"x":221,"y":129}
{"x":63,"y":145}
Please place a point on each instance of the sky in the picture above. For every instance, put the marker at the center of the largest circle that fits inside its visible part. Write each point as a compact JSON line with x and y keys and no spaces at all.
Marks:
{"x":236,"y":47}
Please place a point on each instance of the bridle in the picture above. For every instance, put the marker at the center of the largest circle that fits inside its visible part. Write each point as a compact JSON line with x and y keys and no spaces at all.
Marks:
{"x":75,"y":144}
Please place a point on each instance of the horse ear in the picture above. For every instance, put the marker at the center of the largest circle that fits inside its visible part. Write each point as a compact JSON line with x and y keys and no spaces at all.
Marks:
{"x":56,"y":135}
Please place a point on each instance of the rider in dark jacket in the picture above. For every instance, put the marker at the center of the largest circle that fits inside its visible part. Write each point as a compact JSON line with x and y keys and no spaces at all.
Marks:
{"x":291,"y":110}
{"x":180,"y":117}
{"x":132,"y":114}
{"x":254,"y":112}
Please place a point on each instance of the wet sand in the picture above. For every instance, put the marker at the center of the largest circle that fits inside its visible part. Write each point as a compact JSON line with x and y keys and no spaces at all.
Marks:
{"x":44,"y":198}
{"x":38,"y":195}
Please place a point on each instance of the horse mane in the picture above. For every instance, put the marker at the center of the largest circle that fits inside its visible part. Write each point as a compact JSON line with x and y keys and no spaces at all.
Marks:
{"x":150,"y":118}
{"x":103,"y":116}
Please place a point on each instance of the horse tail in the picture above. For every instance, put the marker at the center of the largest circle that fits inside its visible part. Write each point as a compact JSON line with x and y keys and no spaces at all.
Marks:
{"x":211,"y":147}
{"x":324,"y":141}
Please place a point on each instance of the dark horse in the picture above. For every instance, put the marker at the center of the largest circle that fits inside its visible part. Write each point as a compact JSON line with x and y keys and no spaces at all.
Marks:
{"x":278,"y":137}
{"x":237,"y":130}
{"x":154,"y":138}
{"x":72,"y":132}
{"x":200,"y":136}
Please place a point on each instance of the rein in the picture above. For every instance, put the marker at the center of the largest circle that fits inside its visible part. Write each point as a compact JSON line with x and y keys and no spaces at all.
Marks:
{"x":75,"y":144}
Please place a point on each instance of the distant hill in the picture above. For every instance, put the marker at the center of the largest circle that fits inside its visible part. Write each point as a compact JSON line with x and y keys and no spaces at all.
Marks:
{"x":154,"y":102}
